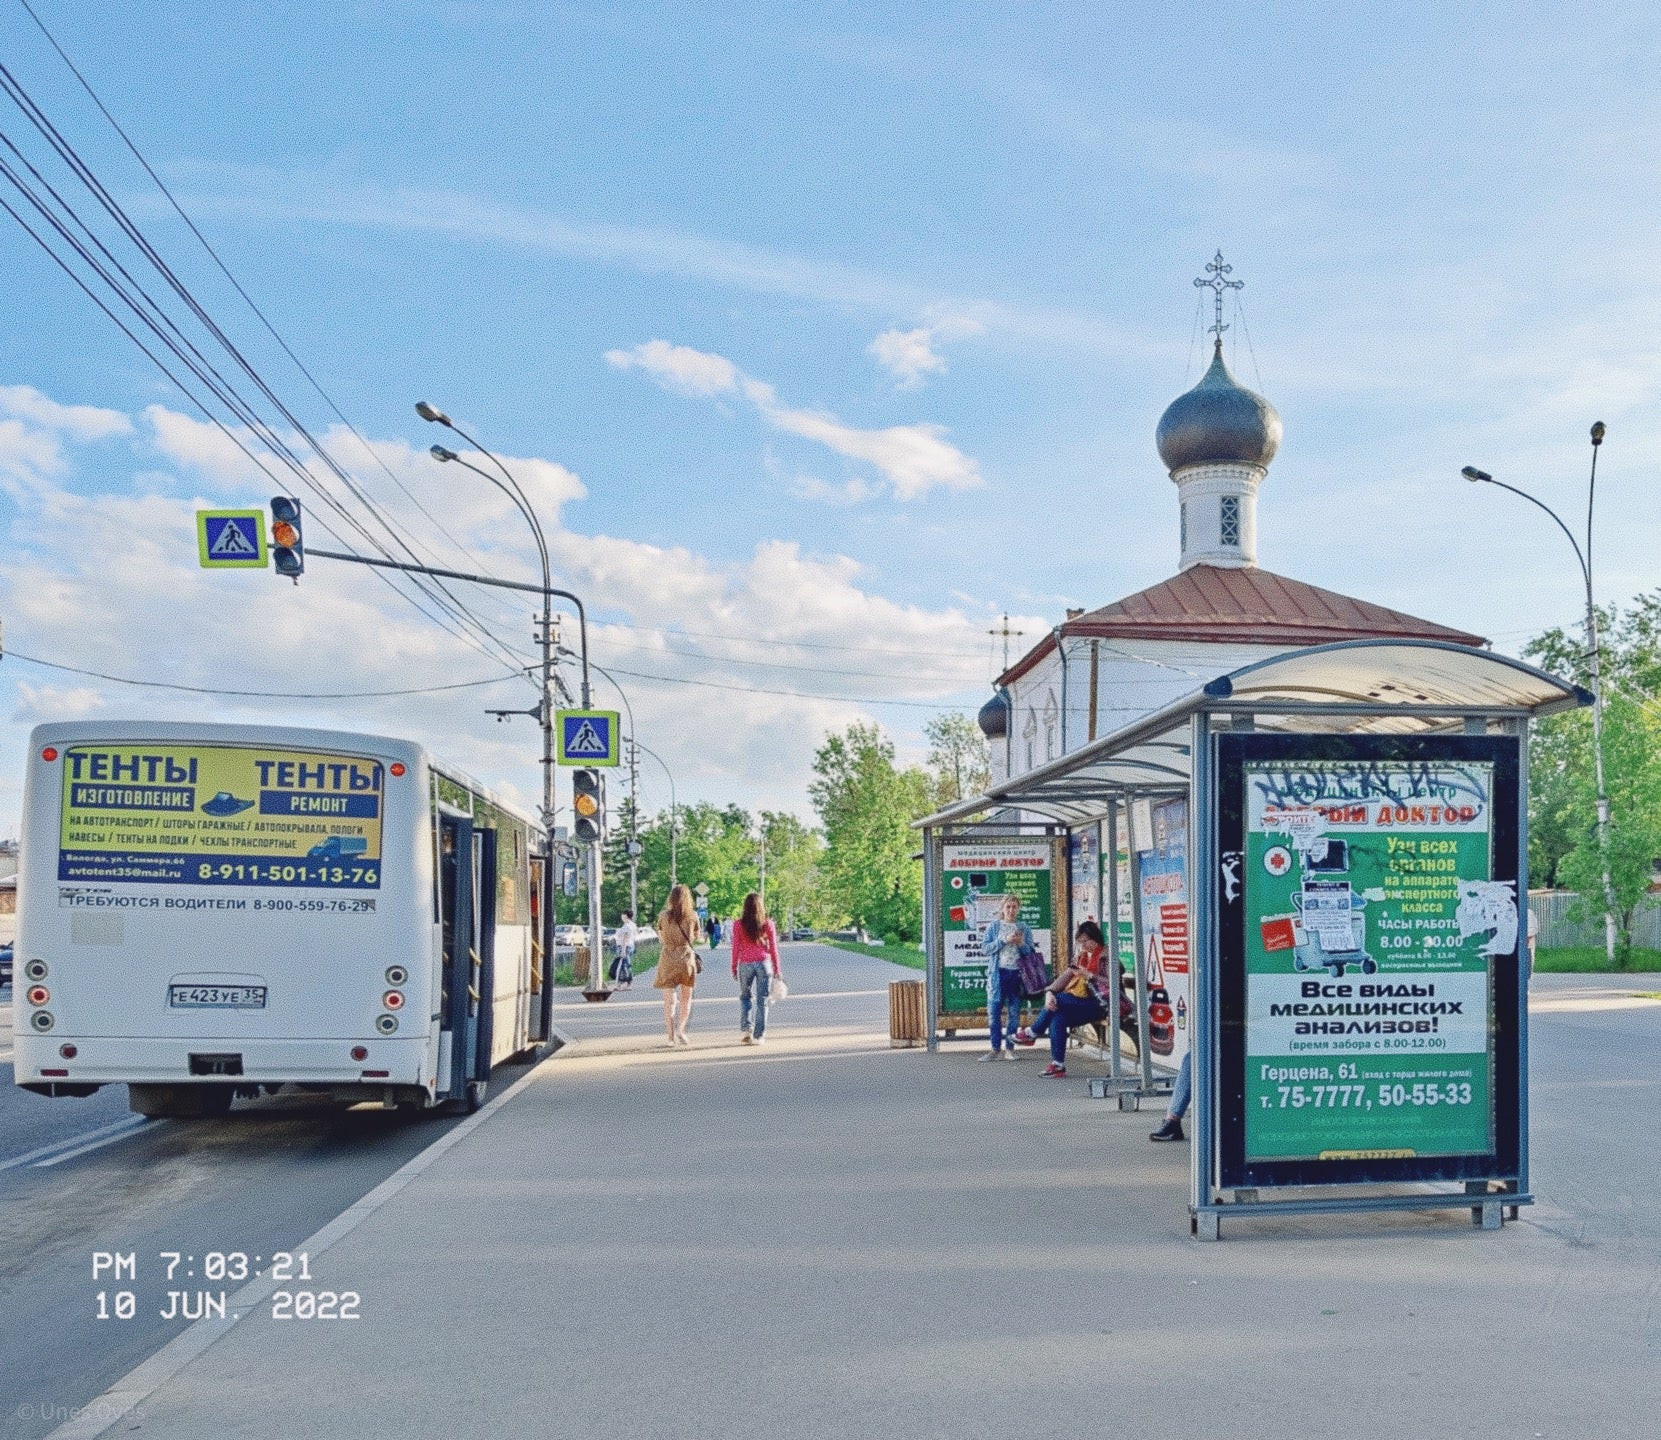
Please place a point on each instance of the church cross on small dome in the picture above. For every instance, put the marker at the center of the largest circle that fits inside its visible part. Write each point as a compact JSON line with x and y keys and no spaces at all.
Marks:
{"x":1219,"y":282}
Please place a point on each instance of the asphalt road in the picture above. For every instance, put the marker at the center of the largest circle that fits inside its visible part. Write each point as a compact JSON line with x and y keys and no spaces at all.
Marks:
{"x":256,"y":1181}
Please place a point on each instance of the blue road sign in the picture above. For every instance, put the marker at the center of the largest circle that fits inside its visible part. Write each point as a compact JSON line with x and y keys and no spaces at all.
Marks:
{"x":588,"y":737}
{"x":231,"y":539}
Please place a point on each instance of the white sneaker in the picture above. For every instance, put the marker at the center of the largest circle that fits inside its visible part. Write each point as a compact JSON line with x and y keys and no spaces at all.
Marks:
{"x":746,"y":1038}
{"x":992,"y":1055}
{"x":759,"y":1040}
{"x":1009,"y":1054}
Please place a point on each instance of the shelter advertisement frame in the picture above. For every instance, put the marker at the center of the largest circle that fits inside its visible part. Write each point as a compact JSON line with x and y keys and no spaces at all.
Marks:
{"x":981,"y":861}
{"x":1410,"y":1062}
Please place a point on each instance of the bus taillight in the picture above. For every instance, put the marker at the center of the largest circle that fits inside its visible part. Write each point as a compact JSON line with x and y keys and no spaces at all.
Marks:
{"x":49,"y":754}
{"x":69,"y":1052}
{"x":387,"y":1024}
{"x":39,"y":995}
{"x":393,"y":999}
{"x":360,"y":1053}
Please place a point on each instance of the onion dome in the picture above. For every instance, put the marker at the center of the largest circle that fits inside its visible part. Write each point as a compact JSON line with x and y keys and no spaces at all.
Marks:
{"x":994,"y":716}
{"x":1219,"y":421}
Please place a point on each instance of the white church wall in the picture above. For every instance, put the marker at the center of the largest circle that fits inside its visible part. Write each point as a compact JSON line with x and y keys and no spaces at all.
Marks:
{"x":1133,"y":678}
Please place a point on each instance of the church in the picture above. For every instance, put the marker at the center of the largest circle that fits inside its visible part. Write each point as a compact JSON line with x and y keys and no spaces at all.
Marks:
{"x":1101,"y":669}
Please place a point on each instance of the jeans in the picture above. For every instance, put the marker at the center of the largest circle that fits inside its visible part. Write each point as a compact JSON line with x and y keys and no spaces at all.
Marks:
{"x":1006,"y":1008}
{"x":1070,"y":1010}
{"x":1183,"y":1091}
{"x":756,"y":975}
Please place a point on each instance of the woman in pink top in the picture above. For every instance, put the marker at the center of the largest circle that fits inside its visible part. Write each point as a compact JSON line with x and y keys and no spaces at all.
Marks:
{"x":755,"y":965}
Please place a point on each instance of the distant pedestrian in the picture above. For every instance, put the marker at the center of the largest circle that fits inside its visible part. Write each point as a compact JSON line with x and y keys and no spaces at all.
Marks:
{"x":714,"y":930}
{"x":1005,"y":939}
{"x":628,"y":936}
{"x":1079,"y":995}
{"x":677,"y":962}
{"x":755,"y":965}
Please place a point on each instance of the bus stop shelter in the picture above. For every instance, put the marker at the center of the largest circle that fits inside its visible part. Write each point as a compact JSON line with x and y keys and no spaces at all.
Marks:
{"x":1353,"y":858}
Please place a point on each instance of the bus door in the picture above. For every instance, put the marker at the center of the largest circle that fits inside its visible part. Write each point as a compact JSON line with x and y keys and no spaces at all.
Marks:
{"x":541,"y":981}
{"x":482,"y":994}
{"x":457,"y":910}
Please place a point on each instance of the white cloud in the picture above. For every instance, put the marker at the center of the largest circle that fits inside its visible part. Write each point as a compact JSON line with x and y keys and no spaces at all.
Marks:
{"x":79,"y":422}
{"x":909,"y":355}
{"x":914,"y":458}
{"x":679,"y":367}
{"x":735,"y":669}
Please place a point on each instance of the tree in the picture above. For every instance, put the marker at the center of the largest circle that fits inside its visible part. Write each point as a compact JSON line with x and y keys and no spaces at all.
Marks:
{"x":959,"y":757}
{"x":795,"y":894}
{"x":1563,"y":839}
{"x":866,"y":805}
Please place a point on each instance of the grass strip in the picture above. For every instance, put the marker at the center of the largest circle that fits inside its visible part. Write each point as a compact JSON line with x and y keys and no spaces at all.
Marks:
{"x":908,"y":955}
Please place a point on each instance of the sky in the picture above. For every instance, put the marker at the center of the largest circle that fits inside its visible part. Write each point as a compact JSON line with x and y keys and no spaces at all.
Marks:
{"x":821,"y":337}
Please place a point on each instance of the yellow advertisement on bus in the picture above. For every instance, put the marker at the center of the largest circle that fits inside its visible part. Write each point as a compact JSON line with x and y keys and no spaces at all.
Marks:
{"x":220,"y":815}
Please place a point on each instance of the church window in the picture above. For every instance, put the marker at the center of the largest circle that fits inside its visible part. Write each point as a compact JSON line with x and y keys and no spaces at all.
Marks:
{"x":1183,"y":525}
{"x":1231,"y":520}
{"x":1050,"y":717}
{"x":1029,"y":733}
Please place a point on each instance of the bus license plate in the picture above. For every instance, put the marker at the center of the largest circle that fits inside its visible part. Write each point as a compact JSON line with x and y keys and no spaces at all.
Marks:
{"x":216,"y":997}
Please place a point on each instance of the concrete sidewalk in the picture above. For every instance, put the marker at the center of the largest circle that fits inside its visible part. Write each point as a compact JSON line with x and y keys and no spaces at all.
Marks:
{"x":831,"y":1238}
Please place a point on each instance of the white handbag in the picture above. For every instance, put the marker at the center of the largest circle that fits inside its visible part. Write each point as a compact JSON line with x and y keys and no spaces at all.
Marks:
{"x":778,"y":990}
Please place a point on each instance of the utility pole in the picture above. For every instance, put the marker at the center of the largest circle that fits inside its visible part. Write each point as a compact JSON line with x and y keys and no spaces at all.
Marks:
{"x":634,"y":833}
{"x":1471,"y":473}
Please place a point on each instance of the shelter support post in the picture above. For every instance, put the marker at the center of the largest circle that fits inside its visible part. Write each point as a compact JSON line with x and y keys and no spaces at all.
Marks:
{"x":1202,"y":1039}
{"x":1110,"y":923}
{"x":933,"y":940}
{"x":1144,"y":1055}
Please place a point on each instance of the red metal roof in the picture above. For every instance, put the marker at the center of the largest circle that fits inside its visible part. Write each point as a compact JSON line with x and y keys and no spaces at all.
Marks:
{"x":1215,"y":605}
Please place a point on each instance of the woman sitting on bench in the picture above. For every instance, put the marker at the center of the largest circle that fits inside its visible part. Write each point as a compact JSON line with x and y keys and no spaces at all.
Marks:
{"x":1079,"y":995}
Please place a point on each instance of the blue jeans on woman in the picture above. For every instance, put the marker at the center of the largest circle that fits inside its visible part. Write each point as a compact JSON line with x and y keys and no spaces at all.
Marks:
{"x":1183,"y":1091}
{"x":1070,"y":1010}
{"x":756,"y":975}
{"x":1005,"y":998}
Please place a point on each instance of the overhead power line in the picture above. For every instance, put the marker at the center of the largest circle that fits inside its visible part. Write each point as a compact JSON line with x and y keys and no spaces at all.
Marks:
{"x":261,"y":694}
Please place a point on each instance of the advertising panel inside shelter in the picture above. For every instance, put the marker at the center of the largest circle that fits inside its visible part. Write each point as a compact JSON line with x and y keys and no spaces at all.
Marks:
{"x":975,"y":877}
{"x":1166,"y":948}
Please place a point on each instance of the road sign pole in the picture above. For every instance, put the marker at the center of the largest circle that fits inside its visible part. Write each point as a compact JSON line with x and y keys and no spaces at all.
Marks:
{"x":597,"y":977}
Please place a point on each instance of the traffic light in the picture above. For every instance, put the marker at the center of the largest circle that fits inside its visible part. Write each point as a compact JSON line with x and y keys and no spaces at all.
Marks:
{"x":288,"y":551}
{"x":588,"y":804}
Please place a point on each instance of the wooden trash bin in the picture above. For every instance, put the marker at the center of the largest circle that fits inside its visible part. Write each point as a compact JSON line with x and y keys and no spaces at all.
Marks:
{"x":579,"y":965}
{"x":906,"y":1022}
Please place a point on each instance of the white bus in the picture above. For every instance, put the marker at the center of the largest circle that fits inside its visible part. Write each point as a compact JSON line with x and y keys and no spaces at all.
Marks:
{"x":206,"y":911}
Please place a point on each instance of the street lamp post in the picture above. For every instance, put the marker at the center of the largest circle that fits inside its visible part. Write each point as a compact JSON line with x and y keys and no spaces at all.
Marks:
{"x":515,"y":492}
{"x":1470,"y":472}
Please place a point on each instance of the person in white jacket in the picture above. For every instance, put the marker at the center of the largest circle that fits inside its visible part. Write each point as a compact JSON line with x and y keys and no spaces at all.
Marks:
{"x":628,"y":936}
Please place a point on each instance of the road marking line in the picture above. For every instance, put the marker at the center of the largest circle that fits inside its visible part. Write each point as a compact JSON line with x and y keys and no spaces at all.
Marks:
{"x":88,"y":1141}
{"x":139,"y":1384}
{"x":143,"y":1123}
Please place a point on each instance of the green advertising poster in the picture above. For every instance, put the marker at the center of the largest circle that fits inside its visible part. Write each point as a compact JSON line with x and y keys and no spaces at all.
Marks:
{"x":975,"y":878}
{"x":1371,"y":915}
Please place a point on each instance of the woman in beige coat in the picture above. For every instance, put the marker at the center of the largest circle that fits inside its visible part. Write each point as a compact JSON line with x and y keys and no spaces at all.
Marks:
{"x":677,"y":962}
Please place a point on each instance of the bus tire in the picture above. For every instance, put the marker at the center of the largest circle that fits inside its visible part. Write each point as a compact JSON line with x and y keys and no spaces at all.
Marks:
{"x":476,"y":1091}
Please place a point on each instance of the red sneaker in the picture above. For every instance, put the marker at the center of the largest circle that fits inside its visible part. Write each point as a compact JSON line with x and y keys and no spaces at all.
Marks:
{"x":1024,"y":1036}
{"x":1056,"y":1070}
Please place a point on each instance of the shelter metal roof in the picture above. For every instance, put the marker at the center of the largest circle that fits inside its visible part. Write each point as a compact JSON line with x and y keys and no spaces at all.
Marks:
{"x":1361,"y":687}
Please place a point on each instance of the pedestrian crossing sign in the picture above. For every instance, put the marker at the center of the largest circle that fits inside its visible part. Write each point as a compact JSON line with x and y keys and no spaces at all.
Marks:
{"x":588,"y":737}
{"x":231,"y":539}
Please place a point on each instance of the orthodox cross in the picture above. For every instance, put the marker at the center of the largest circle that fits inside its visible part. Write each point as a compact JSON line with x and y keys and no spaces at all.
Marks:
{"x":1007,"y":634}
{"x":1218,"y":283}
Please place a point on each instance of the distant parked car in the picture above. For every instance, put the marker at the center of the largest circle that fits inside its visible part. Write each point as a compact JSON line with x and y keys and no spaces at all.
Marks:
{"x":801,"y":932}
{"x":570,"y":936}
{"x":5,"y":966}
